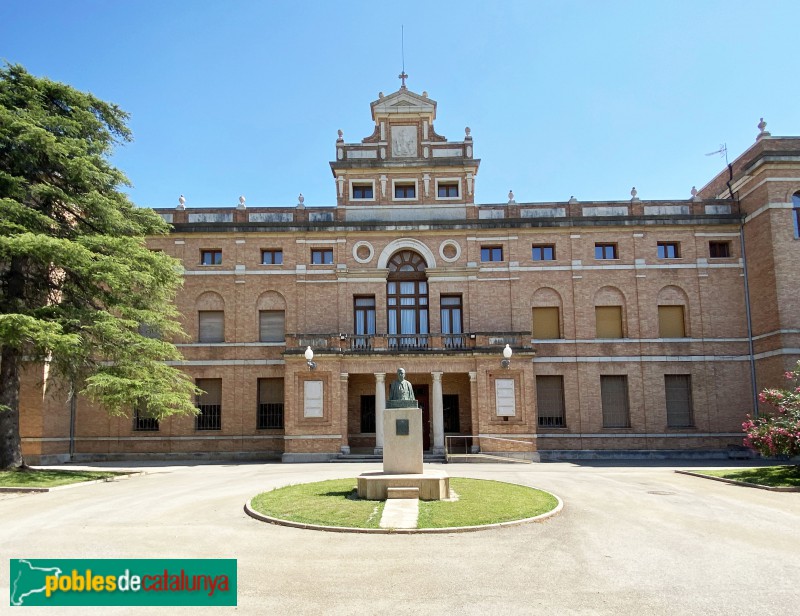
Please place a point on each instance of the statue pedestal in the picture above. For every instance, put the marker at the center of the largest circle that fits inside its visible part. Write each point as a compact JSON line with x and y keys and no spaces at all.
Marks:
{"x":402,"y":440}
{"x":402,"y":458}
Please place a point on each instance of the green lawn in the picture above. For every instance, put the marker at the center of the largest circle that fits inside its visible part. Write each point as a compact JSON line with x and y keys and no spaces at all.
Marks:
{"x":46,"y":478}
{"x":484,"y":502}
{"x":328,"y":503}
{"x":773,"y":476}
{"x":336,"y":503}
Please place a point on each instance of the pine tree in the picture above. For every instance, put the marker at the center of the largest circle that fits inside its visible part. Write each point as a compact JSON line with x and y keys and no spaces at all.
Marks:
{"x":79,"y":289}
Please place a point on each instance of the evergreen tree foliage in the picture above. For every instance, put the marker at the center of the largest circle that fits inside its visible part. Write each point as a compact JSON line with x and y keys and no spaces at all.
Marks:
{"x":79,"y":289}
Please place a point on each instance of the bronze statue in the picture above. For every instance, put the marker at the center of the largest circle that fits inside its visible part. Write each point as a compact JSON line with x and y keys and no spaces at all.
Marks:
{"x":401,"y":389}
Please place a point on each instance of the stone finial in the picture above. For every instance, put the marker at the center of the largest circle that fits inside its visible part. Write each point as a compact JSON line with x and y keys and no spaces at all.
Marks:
{"x":634,"y":194}
{"x":424,"y":94}
{"x":762,"y":126}
{"x":572,"y":200}
{"x":694,"y":194}
{"x":241,"y":205}
{"x":511,"y":197}
{"x":467,"y":133}
{"x":181,"y":202}
{"x":301,"y":201}
{"x":341,"y":136}
{"x":380,"y":94}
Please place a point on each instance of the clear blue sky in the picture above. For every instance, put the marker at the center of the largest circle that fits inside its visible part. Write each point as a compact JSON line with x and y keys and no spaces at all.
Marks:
{"x":563,"y":98}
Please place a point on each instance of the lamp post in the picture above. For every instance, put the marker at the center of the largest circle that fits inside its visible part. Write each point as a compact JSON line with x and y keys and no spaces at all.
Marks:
{"x":309,"y":355}
{"x":506,"y":361}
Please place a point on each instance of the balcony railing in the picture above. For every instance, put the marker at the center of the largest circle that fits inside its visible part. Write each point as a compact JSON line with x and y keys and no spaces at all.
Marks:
{"x":407,"y":343}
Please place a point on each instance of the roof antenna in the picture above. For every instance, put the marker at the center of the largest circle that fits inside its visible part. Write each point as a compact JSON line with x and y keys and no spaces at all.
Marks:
{"x":402,"y":76}
{"x":723,"y":151}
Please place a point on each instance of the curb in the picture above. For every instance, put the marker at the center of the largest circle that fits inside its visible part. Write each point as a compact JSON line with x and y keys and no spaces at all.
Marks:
{"x":77,"y":484}
{"x":743,"y":484}
{"x":248,"y":509}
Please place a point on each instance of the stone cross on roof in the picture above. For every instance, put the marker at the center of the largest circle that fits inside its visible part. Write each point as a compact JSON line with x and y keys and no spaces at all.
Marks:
{"x":402,"y":77}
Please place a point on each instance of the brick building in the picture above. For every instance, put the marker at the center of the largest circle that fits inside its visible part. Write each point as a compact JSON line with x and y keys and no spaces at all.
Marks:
{"x":628,"y":321}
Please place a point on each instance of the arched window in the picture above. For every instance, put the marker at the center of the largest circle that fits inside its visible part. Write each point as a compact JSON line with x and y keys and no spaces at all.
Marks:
{"x":407,"y":301}
{"x":796,"y":213}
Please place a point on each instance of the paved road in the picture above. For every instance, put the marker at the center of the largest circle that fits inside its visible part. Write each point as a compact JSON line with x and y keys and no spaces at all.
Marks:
{"x":631,"y":540}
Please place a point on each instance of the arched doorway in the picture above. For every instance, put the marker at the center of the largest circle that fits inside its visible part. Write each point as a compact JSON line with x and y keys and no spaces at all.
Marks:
{"x":407,"y":301}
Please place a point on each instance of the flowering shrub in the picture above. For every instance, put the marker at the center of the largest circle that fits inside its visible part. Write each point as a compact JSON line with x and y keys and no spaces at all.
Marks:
{"x":777,"y":432}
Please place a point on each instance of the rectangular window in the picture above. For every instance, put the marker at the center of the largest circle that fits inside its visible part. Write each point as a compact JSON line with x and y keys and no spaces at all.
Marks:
{"x":448,"y":190}
{"x":543,"y":252}
{"x":211,"y":326}
{"x":546,"y":323}
{"x":273,"y":256}
{"x":669,"y":250}
{"x":719,"y":250}
{"x":210,"y":404}
{"x":210,"y":257}
{"x":608,"y":321}
{"x":321,"y":256}
{"x":405,"y":191}
{"x":614,"y":394}
{"x":678,"y":389}
{"x":271,"y":325}
{"x":270,"y":404}
{"x":451,"y":312}
{"x":367,"y":414}
{"x":491,"y":253}
{"x":670,"y":322}
{"x":605,"y":251}
{"x":142,"y":422}
{"x":452,"y":422}
{"x":550,"y":401}
{"x":364,"y":315}
{"x":362,"y":191}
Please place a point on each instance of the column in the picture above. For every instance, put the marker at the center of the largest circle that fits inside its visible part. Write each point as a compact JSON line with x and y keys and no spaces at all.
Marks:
{"x":473,"y":411}
{"x":345,"y":447}
{"x":380,"y":407}
{"x":437,"y":414}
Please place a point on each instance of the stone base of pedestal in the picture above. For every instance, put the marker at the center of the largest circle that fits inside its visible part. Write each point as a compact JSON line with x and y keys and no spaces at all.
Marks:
{"x":432,"y":485}
{"x":402,"y":440}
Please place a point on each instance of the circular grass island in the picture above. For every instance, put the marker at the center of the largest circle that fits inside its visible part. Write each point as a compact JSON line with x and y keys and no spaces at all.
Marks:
{"x":334,"y":505}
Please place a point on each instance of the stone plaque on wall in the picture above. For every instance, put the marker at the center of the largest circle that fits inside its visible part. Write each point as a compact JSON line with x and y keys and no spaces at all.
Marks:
{"x":404,"y":140}
{"x":312,"y":399}
{"x":505,"y":398}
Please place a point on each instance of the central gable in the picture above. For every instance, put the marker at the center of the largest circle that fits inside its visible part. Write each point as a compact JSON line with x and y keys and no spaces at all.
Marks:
{"x":403,"y":101}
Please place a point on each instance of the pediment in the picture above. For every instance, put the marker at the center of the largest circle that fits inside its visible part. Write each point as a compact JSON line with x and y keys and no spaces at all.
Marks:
{"x":403,"y":101}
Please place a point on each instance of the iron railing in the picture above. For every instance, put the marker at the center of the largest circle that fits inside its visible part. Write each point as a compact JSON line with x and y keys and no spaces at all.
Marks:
{"x":210,"y":417}
{"x":270,"y":416}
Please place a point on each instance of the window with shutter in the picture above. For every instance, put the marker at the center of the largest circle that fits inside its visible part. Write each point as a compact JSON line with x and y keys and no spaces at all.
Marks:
{"x":670,"y":322}
{"x":609,"y":321}
{"x":550,"y":401}
{"x":678,"y":390}
{"x":210,"y":404}
{"x":546,"y":323}
{"x":211,"y":326}
{"x":614,"y":394}
{"x":271,"y":325}
{"x":270,"y":403}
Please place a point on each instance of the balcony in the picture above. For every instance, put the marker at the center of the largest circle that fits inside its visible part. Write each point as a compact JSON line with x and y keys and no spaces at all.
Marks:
{"x":407,"y":343}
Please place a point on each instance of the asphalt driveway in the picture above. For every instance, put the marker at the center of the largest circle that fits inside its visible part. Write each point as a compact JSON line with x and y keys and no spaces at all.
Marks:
{"x":631,"y":539}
